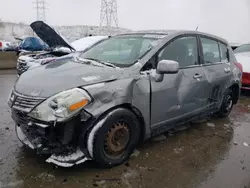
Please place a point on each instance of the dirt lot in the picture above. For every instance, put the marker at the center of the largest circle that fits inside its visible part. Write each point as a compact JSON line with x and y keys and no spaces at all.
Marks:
{"x":8,"y":60}
{"x":212,"y":154}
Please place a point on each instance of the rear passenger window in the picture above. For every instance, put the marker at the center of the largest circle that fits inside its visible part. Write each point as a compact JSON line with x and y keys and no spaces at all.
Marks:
{"x":224,"y":53}
{"x":211,"y":52}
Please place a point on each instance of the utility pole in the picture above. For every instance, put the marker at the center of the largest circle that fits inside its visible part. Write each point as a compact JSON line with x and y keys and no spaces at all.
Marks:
{"x":248,"y":13}
{"x":41,"y":8}
{"x":108,"y":15}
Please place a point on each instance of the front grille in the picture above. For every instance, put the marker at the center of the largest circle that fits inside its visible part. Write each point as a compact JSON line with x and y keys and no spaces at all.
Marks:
{"x":20,"y":117}
{"x":26,"y":103}
{"x":21,"y":66}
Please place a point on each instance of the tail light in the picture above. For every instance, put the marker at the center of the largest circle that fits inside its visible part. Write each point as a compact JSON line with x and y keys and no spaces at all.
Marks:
{"x":1,"y":44}
{"x":239,"y":66}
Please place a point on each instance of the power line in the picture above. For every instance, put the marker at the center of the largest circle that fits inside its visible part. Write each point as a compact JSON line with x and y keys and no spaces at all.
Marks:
{"x":108,"y":16}
{"x":41,"y":7}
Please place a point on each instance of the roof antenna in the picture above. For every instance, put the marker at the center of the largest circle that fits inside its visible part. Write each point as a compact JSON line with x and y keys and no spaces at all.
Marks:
{"x":196,"y":28}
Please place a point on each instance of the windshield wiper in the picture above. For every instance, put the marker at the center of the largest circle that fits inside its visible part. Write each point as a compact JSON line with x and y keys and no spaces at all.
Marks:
{"x":82,"y":60}
{"x":102,"y":62}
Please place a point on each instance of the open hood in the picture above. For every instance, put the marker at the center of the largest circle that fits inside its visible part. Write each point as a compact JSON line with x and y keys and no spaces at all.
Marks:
{"x":49,"y":35}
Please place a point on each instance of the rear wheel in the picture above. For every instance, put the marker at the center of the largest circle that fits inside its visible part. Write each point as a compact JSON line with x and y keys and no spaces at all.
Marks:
{"x":116,"y":139}
{"x":227,"y":104}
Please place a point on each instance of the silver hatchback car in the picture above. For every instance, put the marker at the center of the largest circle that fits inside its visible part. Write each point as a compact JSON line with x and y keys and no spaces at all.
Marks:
{"x":121,"y":91}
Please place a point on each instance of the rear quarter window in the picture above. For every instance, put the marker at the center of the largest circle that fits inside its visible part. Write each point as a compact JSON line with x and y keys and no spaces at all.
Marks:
{"x":242,"y":48}
{"x":232,"y":57}
{"x":224,"y":52}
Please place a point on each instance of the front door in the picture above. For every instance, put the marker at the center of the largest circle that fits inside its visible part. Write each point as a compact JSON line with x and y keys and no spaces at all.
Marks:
{"x":178,"y":95}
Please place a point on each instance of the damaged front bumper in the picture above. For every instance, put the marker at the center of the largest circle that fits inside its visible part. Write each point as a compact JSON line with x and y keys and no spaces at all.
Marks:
{"x":73,"y":158}
{"x":61,"y":144}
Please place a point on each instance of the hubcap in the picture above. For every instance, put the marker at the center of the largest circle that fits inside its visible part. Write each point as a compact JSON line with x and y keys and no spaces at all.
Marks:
{"x":117,"y":139}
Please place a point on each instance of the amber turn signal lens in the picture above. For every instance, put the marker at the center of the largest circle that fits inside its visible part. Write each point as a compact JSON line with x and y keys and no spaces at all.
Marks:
{"x":78,"y":105}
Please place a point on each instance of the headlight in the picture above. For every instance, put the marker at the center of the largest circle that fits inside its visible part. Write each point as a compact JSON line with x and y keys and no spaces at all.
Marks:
{"x":61,"y":106}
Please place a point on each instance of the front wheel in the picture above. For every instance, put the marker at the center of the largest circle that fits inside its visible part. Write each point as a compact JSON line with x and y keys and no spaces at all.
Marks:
{"x":227,"y":104}
{"x":113,"y":139}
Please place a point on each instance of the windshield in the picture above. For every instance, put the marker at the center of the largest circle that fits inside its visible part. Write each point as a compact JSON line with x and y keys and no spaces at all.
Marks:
{"x":242,"y":48}
{"x":84,"y":43}
{"x":121,"y":51}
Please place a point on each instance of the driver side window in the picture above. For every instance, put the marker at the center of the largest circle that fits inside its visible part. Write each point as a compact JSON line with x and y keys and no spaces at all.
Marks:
{"x":182,"y":50}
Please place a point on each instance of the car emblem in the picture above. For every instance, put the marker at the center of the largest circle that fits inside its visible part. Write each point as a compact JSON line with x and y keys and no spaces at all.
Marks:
{"x":35,"y":93}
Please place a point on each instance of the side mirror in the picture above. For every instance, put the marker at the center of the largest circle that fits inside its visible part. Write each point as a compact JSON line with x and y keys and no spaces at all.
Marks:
{"x":167,"y":67}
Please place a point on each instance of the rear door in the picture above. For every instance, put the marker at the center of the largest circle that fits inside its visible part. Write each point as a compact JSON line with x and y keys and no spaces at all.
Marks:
{"x":217,"y":67}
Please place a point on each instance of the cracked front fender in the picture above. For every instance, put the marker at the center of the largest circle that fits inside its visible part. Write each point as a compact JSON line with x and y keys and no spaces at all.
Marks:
{"x":131,"y":91}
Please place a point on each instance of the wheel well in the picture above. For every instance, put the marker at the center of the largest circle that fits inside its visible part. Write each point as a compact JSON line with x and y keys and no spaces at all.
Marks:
{"x":236,"y":92}
{"x":138,"y":115}
{"x":140,"y":119}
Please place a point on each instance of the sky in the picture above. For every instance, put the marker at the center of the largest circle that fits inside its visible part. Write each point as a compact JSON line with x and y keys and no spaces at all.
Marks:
{"x":229,"y":19}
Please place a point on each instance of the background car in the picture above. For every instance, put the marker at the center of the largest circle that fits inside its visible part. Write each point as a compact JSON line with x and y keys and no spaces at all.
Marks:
{"x":12,"y":46}
{"x":32,"y":44}
{"x":242,"y":54}
{"x":234,"y":45}
{"x":3,"y":45}
{"x":58,"y":47}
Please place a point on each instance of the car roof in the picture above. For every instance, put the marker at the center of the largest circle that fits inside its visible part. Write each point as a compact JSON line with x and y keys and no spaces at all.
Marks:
{"x":167,"y":32}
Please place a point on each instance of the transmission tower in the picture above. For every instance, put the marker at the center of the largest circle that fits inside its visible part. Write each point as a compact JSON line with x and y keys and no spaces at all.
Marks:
{"x":108,"y":16}
{"x":41,"y":7}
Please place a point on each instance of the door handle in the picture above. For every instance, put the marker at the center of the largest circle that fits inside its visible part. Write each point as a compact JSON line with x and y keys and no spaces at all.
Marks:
{"x":197,"y":76}
{"x":227,"y":70}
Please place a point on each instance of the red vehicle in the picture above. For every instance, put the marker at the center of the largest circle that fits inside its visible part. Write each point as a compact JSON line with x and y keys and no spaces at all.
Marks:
{"x":242,"y":54}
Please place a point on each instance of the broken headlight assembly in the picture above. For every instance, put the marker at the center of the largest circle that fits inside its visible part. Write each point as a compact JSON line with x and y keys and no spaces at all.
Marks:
{"x":61,"y":106}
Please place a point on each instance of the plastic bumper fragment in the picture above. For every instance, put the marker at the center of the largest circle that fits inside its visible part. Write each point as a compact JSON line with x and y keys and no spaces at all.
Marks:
{"x":23,"y":138}
{"x":69,"y":160}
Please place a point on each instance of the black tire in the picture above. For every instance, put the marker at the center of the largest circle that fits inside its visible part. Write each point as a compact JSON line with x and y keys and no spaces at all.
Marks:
{"x":121,"y":117}
{"x":226,"y":105}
